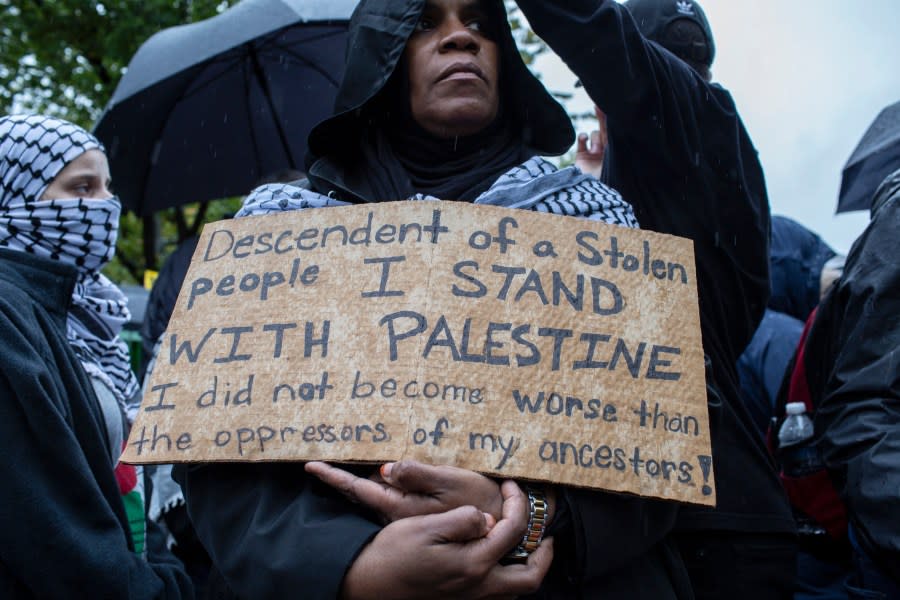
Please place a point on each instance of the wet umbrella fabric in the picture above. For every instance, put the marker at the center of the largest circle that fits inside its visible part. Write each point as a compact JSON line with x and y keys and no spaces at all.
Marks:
{"x":876,"y":156}
{"x":207,"y":109}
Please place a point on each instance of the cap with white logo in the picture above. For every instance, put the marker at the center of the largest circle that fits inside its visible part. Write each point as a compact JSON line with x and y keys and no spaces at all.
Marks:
{"x":653,"y":17}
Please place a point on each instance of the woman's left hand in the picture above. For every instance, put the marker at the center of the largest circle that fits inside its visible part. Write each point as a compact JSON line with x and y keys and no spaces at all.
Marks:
{"x":409,"y":488}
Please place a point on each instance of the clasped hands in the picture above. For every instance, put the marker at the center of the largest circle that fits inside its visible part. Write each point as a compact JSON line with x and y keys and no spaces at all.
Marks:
{"x":446,"y":531}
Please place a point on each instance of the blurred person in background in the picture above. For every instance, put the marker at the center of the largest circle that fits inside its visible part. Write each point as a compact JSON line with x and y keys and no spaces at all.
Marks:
{"x":797,"y":260}
{"x":800,"y":273}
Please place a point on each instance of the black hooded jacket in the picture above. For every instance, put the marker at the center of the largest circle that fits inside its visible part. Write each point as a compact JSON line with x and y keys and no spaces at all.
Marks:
{"x":679,"y":153}
{"x":853,"y":367}
{"x":274,"y":532}
{"x":364,"y":101}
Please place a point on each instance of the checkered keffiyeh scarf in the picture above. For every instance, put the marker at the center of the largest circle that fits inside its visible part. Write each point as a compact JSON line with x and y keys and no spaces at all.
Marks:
{"x":535,"y":185}
{"x":77,"y":231}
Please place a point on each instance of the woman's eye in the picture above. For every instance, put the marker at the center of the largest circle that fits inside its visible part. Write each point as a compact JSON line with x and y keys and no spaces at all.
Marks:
{"x":424,"y":25}
{"x":476,"y":26}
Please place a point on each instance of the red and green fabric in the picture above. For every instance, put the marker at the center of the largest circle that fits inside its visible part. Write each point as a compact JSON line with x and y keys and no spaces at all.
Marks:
{"x":131,"y":487}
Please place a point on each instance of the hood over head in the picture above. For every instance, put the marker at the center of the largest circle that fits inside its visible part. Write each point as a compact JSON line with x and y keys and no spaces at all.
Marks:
{"x":796,"y":258}
{"x":888,"y":190}
{"x":378,"y":33}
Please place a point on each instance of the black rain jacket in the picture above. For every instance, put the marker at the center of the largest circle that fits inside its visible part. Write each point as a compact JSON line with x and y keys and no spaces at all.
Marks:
{"x":853,"y":366}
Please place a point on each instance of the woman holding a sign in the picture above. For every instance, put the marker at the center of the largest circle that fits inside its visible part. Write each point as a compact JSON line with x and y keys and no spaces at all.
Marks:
{"x":436,"y":104}
{"x":68,"y":525}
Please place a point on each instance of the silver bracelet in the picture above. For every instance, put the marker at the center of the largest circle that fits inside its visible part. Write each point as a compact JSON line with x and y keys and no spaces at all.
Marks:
{"x":537,"y":524}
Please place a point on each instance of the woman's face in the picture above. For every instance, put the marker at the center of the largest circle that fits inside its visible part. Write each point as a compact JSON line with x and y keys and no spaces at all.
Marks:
{"x":453,"y":69}
{"x":85,"y":177}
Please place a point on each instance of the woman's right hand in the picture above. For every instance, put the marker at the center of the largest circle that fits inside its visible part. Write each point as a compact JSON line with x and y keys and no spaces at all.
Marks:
{"x":453,"y":554}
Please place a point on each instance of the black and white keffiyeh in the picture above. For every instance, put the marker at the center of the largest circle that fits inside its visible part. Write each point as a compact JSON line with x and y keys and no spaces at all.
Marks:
{"x":537,"y":184}
{"x":82,"y":232}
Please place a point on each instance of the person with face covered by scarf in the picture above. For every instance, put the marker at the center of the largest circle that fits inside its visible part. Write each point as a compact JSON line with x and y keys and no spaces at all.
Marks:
{"x":70,"y":525}
{"x":435,"y":104}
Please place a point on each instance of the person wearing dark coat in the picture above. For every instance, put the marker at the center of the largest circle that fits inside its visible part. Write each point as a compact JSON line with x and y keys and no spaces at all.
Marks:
{"x":65,"y":527}
{"x":797,"y":260}
{"x":161,"y":301}
{"x":680,"y":154}
{"x":416,"y":117}
{"x":852,"y":366}
{"x":797,"y":257}
{"x":763,"y":364}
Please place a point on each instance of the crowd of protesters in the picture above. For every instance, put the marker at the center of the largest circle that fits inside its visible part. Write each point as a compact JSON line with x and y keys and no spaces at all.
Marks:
{"x":438,"y":104}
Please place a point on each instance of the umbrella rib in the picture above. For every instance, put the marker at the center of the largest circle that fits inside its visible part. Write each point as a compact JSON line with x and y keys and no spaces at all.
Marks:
{"x":267,"y":93}
{"x":183,"y":96}
{"x":267,"y":41}
{"x":313,"y":38}
{"x":237,"y":59}
{"x":305,"y":61}
{"x":246,"y":78}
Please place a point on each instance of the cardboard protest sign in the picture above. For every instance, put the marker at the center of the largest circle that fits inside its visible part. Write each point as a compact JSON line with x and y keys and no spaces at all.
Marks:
{"x":514,"y":343}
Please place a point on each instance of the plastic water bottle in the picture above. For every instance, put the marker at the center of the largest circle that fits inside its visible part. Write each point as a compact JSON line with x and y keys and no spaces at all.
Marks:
{"x":797,"y":427}
{"x":798,"y":456}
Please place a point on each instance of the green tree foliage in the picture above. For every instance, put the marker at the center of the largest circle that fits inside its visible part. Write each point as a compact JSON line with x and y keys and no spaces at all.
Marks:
{"x":530,"y":45}
{"x":65,"y":58}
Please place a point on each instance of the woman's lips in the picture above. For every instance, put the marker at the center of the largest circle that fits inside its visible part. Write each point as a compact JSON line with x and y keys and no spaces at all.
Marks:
{"x":460,"y":75}
{"x":461,"y":71}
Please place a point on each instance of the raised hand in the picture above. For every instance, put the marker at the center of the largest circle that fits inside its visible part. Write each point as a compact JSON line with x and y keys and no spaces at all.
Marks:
{"x":589,"y":157}
{"x":452,"y":554}
{"x":410,"y":488}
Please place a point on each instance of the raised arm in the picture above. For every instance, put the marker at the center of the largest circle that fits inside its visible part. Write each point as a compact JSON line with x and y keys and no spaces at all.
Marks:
{"x":678,"y":152}
{"x":632,"y":80}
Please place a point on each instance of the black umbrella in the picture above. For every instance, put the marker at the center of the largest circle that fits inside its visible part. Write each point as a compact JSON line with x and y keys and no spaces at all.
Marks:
{"x":876,"y":156}
{"x":207,"y":109}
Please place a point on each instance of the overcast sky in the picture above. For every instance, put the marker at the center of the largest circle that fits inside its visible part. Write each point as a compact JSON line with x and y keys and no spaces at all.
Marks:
{"x":808,"y":77}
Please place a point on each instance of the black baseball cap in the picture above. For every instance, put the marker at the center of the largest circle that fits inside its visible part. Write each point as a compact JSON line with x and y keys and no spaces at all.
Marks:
{"x":653,"y":18}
